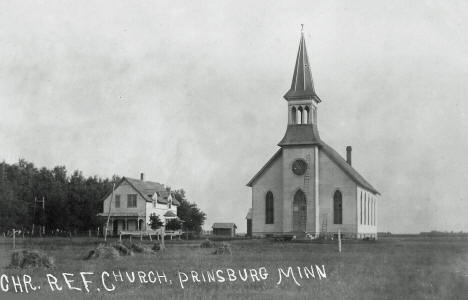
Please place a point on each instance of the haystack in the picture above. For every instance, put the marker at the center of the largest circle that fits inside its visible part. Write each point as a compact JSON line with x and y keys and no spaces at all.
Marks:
{"x":31,"y":259}
{"x":123,"y":250}
{"x":224,"y":248}
{"x":139,"y":248}
{"x":103,"y":251}
{"x":207,"y":244}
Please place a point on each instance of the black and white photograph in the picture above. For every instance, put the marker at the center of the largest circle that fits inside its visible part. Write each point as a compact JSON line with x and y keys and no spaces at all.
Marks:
{"x":233,"y":149}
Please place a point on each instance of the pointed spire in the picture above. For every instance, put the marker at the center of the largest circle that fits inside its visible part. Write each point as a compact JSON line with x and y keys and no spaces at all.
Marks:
{"x":302,"y":86}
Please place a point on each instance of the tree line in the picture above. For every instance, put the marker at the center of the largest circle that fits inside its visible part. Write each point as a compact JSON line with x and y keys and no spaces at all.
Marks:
{"x":54,"y":200}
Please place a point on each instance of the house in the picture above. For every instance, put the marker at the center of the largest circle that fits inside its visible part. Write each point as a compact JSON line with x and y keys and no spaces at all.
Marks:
{"x":307,"y":188}
{"x":132,"y":203}
{"x":224,"y":229}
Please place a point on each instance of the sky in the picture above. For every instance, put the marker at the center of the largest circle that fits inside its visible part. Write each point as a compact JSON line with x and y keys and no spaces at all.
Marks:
{"x":190,"y":93}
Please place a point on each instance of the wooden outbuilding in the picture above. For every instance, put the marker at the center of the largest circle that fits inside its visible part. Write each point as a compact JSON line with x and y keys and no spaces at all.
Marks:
{"x":224,"y":229}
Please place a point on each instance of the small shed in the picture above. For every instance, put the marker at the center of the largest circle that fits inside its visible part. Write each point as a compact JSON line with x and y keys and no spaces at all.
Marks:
{"x":224,"y":229}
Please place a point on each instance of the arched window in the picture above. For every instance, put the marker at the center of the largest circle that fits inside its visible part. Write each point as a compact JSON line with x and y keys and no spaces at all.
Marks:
{"x":293,"y":115}
{"x":337,"y":208}
{"x":307,"y":115}
{"x":299,"y":211}
{"x":299,"y":115}
{"x":269,"y":211}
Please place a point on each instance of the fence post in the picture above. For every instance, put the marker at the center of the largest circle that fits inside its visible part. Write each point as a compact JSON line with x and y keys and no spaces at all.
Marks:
{"x":14,"y":238}
{"x":163,"y":233}
{"x":339,"y":240}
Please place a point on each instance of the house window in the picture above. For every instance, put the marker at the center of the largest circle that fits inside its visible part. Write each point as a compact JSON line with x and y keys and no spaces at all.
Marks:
{"x":365,"y":209}
{"x":154,"y":203}
{"x":117,"y":201}
{"x":337,"y":208}
{"x":361,"y":209}
{"x":131,"y":200}
{"x":169,"y":203}
{"x":269,"y":208}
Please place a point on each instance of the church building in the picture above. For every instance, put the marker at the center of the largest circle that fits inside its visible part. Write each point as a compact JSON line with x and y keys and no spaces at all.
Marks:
{"x":307,"y":188}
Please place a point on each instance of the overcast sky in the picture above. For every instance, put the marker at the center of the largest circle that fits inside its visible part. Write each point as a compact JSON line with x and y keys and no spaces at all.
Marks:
{"x":190,"y":93}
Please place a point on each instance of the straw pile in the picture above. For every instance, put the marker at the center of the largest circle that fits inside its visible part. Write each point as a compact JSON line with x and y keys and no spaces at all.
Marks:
{"x":31,"y":259}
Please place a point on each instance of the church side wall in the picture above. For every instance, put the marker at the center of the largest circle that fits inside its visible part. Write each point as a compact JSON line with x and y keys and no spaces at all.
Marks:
{"x":271,"y":180}
{"x":332,"y":178}
{"x":366,"y":213}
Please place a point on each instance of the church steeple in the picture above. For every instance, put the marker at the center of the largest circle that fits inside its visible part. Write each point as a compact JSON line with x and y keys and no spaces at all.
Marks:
{"x":302,"y":86}
{"x":302,"y":103}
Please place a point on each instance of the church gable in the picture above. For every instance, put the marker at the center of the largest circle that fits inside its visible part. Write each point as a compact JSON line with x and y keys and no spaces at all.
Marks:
{"x":265,"y":168}
{"x":347,"y":168}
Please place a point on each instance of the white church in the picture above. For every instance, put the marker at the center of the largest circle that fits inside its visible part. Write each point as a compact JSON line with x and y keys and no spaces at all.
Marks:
{"x":307,"y":188}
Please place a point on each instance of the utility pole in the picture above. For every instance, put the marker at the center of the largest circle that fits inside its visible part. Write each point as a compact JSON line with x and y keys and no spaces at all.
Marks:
{"x":3,"y":172}
{"x":108,"y":214}
{"x":43,"y":214}
{"x":42,"y":228}
{"x":34,"y":216}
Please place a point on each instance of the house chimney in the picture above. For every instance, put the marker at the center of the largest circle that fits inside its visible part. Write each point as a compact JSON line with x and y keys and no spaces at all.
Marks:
{"x":142,"y":176}
{"x":348,"y":154}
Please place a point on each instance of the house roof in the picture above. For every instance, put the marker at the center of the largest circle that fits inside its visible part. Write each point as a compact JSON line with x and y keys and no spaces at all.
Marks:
{"x":147,"y":189}
{"x":163,"y":197}
{"x":170,"y":214}
{"x":334,"y":156}
{"x":224,"y":225}
{"x":302,"y":86}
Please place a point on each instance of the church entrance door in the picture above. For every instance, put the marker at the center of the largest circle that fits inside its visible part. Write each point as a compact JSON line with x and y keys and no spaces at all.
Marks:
{"x":299,"y":212}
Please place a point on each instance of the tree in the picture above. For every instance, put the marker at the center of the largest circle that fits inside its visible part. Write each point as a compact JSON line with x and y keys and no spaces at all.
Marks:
{"x":174,"y":224}
{"x":192,"y":217}
{"x":155,"y":221}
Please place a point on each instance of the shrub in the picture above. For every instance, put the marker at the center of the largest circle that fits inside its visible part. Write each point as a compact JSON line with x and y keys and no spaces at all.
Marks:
{"x":155,"y":221}
{"x":174,"y":224}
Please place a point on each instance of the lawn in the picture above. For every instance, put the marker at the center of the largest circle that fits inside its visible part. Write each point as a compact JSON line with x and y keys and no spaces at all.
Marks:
{"x":390,"y":268}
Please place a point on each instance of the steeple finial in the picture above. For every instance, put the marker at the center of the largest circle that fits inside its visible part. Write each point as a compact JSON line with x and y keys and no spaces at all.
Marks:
{"x":302,"y":86}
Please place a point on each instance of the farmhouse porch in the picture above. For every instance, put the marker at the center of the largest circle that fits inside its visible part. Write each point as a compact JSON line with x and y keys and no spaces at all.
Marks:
{"x":120,"y":221}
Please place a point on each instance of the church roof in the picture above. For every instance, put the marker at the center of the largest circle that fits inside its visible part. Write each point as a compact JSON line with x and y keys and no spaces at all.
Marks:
{"x":303,"y":134}
{"x":334,"y":156}
{"x":265,"y":167}
{"x":302,"y":86}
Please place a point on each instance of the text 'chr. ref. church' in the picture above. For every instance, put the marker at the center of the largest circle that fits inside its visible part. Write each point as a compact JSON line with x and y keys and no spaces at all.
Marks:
{"x":307,"y":187}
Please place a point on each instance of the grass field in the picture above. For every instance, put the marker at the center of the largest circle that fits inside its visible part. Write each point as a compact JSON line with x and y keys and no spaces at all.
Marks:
{"x":390,"y":268}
